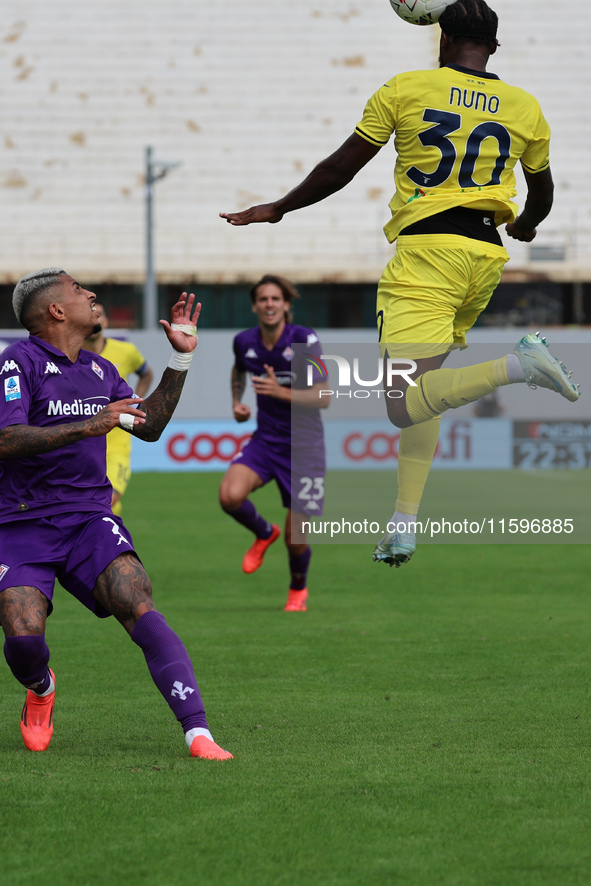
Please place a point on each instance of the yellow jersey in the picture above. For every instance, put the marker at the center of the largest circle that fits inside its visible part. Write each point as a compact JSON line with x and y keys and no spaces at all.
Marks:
{"x":458,"y":135}
{"x":127,"y":360}
{"x":124,"y":356}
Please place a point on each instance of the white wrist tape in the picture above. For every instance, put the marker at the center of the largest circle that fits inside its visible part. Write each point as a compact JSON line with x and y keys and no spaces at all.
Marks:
{"x":184,"y":327}
{"x":126,"y":421}
{"x":180,"y":361}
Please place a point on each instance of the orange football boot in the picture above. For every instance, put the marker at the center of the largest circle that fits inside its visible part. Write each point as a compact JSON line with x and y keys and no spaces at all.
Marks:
{"x":207,"y":749}
{"x":253,"y":559}
{"x":37,"y":719}
{"x":296,"y":601}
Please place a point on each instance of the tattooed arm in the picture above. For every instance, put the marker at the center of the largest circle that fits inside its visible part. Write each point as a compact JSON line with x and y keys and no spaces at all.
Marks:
{"x":17,"y":441}
{"x":160,"y":405}
{"x":21,"y":440}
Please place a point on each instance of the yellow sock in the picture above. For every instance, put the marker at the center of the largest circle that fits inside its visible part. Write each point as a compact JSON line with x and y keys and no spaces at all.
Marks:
{"x":415,"y":455}
{"x":443,"y":389}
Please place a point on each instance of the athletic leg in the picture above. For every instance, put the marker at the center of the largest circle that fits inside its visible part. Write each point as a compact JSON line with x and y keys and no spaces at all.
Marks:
{"x":433,"y":292}
{"x":23,"y":614}
{"x":425,"y":305}
{"x":530,"y":363}
{"x":299,"y":562}
{"x":237,"y":484}
{"x":124,"y":590}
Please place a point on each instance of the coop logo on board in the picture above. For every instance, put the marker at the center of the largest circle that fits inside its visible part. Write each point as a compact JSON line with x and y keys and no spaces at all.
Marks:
{"x":381,"y":446}
{"x":206,"y":447}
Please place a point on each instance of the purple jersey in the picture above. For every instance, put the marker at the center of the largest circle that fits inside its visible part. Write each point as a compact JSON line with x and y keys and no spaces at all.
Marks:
{"x":43,"y":388}
{"x":278,"y":422}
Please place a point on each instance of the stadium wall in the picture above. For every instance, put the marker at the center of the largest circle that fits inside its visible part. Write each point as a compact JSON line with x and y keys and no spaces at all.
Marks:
{"x":206,"y":395}
{"x":531,"y":430}
{"x":247,"y":97}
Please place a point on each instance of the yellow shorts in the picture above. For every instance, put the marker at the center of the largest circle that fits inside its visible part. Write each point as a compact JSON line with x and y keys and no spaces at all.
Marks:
{"x":434,"y":288}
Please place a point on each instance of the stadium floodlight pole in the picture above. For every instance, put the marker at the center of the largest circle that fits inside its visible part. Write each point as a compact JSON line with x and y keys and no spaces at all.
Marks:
{"x":155,"y":170}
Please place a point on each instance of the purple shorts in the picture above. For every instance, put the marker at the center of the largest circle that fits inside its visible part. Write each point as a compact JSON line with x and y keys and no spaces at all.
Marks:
{"x":74,"y":548}
{"x":301,"y":487}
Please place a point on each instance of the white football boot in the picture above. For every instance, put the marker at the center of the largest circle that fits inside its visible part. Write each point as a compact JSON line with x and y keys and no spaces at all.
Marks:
{"x":542,"y":370}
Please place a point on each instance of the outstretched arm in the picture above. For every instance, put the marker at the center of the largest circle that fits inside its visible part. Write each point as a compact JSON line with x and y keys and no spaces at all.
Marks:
{"x":540,"y":195}
{"x":329,"y":176}
{"x":182,"y":334}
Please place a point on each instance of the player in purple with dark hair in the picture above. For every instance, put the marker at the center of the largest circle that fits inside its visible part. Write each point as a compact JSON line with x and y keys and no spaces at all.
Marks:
{"x":288,"y":444}
{"x":59,"y":403}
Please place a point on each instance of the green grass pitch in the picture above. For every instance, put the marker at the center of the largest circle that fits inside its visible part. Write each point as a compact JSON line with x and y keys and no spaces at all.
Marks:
{"x":421,"y":726}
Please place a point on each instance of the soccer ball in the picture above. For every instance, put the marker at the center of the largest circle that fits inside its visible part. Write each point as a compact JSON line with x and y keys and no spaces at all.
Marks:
{"x":420,"y":12}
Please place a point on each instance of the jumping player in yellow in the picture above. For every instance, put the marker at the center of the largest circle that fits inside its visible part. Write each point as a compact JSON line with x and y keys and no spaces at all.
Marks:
{"x":459,"y":133}
{"x":128,"y":361}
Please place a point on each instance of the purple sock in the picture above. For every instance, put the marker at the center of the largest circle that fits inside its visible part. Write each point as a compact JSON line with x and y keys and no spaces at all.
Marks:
{"x":298,"y":566}
{"x":27,"y":658}
{"x":171,"y":669}
{"x":249,"y":517}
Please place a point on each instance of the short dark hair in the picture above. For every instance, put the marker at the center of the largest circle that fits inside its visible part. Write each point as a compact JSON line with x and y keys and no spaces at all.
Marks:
{"x":286,"y":286}
{"x":470,"y":21}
